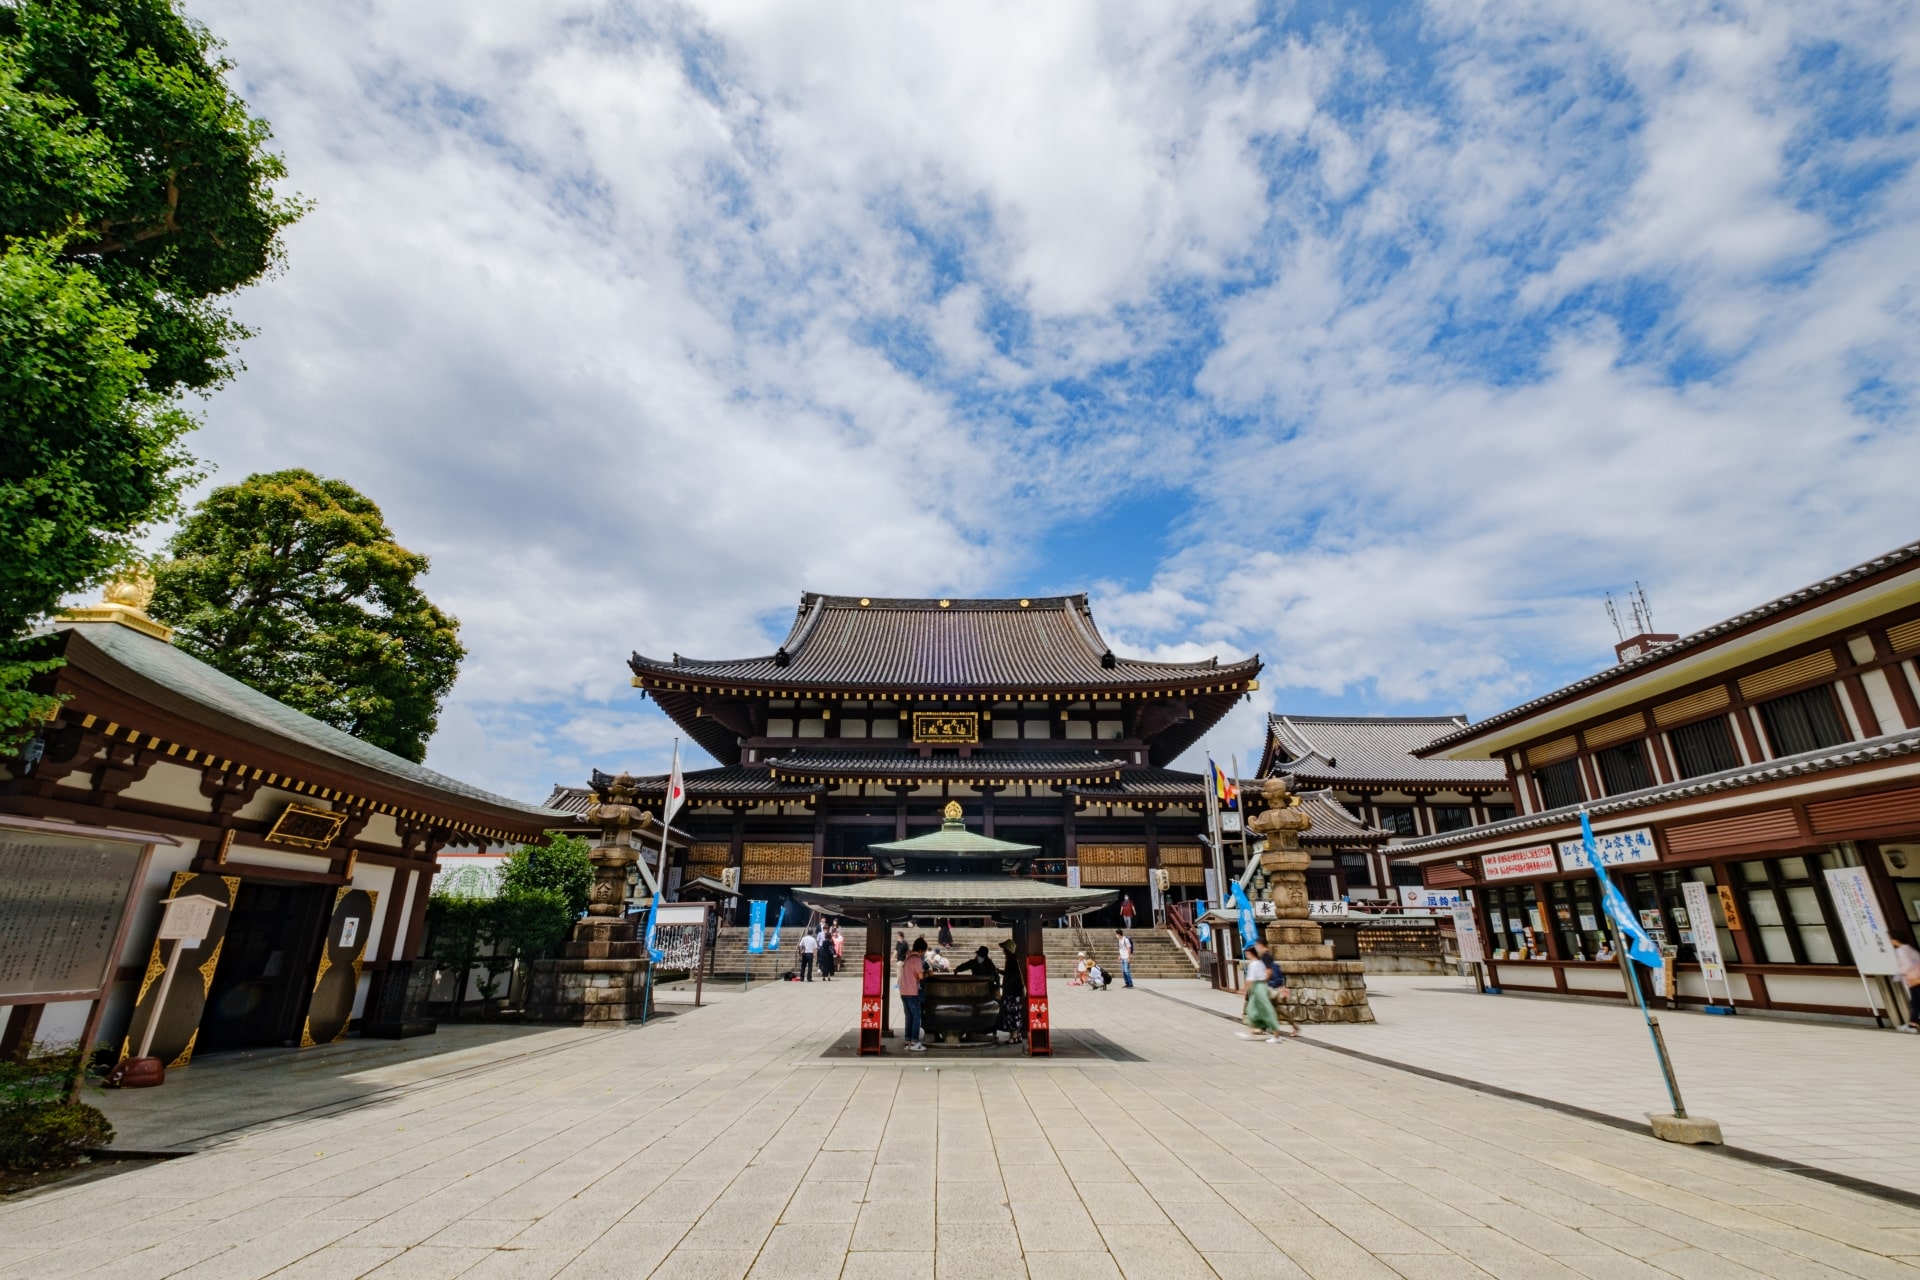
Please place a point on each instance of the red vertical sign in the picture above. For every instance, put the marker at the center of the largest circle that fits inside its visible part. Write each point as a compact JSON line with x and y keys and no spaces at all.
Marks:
{"x":1039,"y":1029}
{"x":873,"y":994}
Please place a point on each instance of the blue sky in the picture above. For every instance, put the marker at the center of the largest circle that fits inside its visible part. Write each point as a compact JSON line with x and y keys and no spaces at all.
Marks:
{"x":1379,"y":339}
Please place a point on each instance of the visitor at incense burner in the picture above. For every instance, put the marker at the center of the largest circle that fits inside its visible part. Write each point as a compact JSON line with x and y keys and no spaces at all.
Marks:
{"x":981,"y":966}
{"x":1013,"y":997}
{"x":910,"y":970}
{"x":937,"y":962}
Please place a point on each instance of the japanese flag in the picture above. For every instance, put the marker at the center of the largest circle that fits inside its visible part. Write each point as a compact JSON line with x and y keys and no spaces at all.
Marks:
{"x":676,"y":789}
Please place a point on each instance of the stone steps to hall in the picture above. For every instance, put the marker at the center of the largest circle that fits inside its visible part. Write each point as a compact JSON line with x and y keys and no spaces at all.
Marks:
{"x":1156,"y":954}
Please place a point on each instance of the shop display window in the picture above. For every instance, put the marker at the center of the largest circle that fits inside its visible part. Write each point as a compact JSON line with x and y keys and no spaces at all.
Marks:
{"x":1788,"y":910}
{"x":1577,"y":918}
{"x":1514,"y":920}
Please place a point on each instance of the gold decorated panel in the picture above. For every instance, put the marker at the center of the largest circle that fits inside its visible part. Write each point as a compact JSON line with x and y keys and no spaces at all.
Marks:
{"x":1187,"y":875}
{"x":946,"y":726}
{"x":1112,"y":875}
{"x":709,"y":855}
{"x":781,"y":862}
{"x":1113,"y":855}
{"x":1182,"y":855}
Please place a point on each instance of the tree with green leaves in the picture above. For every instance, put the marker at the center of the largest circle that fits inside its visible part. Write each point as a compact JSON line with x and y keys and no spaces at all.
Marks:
{"x":564,"y":863}
{"x":294,"y":584}
{"x":136,"y":196}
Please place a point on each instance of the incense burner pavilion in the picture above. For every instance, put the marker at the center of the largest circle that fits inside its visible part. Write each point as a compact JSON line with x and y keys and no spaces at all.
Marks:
{"x":873,"y":715}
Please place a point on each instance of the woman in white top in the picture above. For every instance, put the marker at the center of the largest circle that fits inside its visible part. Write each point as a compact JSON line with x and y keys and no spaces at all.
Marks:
{"x":1262,"y":1022}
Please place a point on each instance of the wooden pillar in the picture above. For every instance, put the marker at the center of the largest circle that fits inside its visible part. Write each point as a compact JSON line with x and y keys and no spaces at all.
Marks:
{"x":819,"y":844}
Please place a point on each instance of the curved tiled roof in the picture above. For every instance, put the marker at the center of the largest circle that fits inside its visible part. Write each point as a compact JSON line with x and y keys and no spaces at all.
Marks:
{"x":1673,"y":648}
{"x":702,"y":784}
{"x":1344,"y":751}
{"x":1334,"y":824}
{"x":859,"y":643}
{"x":175,"y":681}
{"x":955,"y":895}
{"x":1888,"y":746}
{"x":910,"y":765}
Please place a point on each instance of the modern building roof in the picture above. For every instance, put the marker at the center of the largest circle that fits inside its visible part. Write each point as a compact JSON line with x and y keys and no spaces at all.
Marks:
{"x":1371,"y":751}
{"x":144,"y":667}
{"x":1900,"y":558}
{"x":1889,"y":746}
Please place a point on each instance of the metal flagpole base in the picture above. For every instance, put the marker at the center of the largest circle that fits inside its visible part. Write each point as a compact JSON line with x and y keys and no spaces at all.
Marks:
{"x":1691,"y":1130}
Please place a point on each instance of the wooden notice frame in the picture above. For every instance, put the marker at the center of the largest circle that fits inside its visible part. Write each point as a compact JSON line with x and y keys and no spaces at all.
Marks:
{"x":146,"y":842}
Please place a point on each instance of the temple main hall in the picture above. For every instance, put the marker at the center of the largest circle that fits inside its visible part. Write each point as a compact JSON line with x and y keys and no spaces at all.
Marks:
{"x":873,"y":714}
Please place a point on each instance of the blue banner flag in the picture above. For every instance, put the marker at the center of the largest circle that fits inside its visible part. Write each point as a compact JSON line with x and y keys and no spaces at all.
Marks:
{"x":653,"y":914}
{"x":1640,"y":948}
{"x":1202,"y":930}
{"x":1249,"y":928}
{"x":756,"y":928}
{"x":773,"y":943}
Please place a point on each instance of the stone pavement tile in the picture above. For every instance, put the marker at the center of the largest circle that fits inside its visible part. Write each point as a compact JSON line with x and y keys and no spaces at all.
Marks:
{"x":342,"y":1263}
{"x":1098,"y":1265}
{"x":886,"y":1266}
{"x":1433,"y":1266}
{"x":823,"y":1202}
{"x":1502,"y":1255}
{"x":1035,"y":1182}
{"x":900,"y":1226}
{"x":1270,"y":1265}
{"x":703,"y":1264}
{"x":803,"y":1252}
{"x":520,"y":1264}
{"x":577,"y":1223}
{"x":1325,"y":1254}
{"x":1377,"y":1231}
{"x":962,"y":1202}
{"x":1217,"y":1227}
{"x":679,"y":1200}
{"x":1052,"y":1227}
{"x":1536,"y":1232}
{"x":1848,"y":1256}
{"x":1121,"y":1204}
{"x":428,"y":1262}
{"x":1634,"y":1241}
{"x":840,"y":1166}
{"x":626,"y":1249}
{"x":1155,"y":1253}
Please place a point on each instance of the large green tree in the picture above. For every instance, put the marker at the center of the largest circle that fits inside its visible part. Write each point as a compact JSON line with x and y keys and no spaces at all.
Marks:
{"x":294,"y":585}
{"x":136,"y":195}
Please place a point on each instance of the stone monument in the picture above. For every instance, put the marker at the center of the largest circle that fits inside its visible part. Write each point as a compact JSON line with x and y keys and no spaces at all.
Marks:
{"x":602,"y":975}
{"x":1323,"y":989}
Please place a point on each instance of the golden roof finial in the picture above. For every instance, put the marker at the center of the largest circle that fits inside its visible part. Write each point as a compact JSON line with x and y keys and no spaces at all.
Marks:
{"x":124,"y":600}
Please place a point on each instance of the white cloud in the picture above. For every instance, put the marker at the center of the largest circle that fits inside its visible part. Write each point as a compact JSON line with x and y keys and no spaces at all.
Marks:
{"x":640,"y":322}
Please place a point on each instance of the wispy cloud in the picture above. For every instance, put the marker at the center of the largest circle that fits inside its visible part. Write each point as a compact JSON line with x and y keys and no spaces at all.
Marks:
{"x":1377,"y":340}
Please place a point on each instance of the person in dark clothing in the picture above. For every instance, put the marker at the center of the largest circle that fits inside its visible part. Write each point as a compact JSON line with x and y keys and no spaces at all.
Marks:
{"x":1013,"y":997}
{"x":981,"y":966}
{"x":946,"y":932}
{"x":900,"y":948}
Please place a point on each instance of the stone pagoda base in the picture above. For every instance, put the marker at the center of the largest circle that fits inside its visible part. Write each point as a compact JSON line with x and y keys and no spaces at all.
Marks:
{"x":1324,"y":989}
{"x":600,"y":980}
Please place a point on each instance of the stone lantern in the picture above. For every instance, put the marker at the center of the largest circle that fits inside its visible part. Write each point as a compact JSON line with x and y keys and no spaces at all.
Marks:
{"x":602,"y":975}
{"x":1323,"y":989}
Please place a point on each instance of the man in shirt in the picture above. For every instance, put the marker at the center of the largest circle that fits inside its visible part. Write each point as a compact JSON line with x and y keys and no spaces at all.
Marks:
{"x":1125,"y":946}
{"x":808,"y":945}
{"x":910,"y":971}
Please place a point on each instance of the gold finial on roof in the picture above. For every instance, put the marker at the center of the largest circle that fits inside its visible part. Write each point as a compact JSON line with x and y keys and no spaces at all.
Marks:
{"x":124,"y":600}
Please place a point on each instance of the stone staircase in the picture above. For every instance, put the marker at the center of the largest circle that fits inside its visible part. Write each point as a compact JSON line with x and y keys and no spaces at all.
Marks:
{"x":1155,"y":954}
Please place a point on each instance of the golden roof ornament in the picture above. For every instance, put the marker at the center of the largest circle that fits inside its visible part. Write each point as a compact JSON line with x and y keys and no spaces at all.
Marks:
{"x":954,"y":816}
{"x":124,"y":600}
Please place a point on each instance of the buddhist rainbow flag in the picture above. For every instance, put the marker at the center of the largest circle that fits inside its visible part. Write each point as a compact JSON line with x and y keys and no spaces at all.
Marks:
{"x":1226,"y":794}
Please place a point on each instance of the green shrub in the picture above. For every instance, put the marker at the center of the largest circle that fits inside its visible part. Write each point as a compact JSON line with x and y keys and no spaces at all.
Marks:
{"x":50,"y":1135}
{"x":39,"y":1128}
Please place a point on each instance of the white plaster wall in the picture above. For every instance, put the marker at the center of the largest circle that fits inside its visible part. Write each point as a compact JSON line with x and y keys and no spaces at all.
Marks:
{"x":382,"y":830}
{"x":1843,"y":994}
{"x":1880,"y":698}
{"x":379,"y":880}
{"x":267,"y":803}
{"x":283,"y":858}
{"x":168,"y":783}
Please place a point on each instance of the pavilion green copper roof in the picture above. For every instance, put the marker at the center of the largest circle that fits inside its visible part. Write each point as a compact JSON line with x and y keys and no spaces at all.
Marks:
{"x":955,"y":895}
{"x":953,"y":839}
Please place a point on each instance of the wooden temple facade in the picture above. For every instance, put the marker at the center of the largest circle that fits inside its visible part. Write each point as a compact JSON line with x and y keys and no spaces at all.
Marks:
{"x":873,"y":714}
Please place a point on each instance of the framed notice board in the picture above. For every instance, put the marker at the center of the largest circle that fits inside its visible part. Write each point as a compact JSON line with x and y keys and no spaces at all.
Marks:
{"x":65,"y":894}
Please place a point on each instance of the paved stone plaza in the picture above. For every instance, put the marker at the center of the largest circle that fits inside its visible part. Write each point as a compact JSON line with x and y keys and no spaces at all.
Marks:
{"x":739,"y":1140}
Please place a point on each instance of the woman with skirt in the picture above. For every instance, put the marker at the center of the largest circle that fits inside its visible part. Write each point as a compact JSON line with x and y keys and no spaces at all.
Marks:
{"x":1262,"y":1022}
{"x":1013,"y":997}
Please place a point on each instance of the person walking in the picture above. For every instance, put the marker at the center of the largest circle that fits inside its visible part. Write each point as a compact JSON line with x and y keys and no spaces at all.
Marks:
{"x":910,"y":971}
{"x":828,"y":960}
{"x":1277,"y":987}
{"x":900,"y":947}
{"x":1908,"y":960}
{"x":808,"y":945}
{"x":1126,"y":911}
{"x":1013,"y":997}
{"x":1124,"y":945}
{"x":1257,"y":1012}
{"x":946,"y":932}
